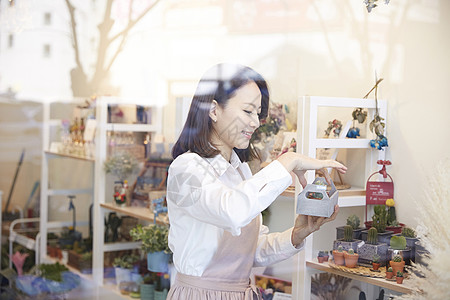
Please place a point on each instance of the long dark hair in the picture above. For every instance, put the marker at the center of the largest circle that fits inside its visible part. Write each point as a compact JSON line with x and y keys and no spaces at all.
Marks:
{"x":219,"y":83}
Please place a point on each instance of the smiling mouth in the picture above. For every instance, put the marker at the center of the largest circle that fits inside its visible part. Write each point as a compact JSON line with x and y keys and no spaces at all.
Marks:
{"x":247,"y":134}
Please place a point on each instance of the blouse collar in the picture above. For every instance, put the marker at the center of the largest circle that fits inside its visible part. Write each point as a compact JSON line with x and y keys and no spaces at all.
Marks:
{"x":220,"y":164}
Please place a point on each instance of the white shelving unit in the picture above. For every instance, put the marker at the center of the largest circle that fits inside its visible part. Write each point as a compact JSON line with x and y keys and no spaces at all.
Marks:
{"x":100,"y":205}
{"x":309,"y":109}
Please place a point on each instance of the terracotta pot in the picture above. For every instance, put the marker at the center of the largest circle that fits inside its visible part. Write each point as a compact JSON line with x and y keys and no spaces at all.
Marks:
{"x":395,"y":229}
{"x":397,"y":266}
{"x":320,"y":259}
{"x":389,"y":275}
{"x":338,"y":258}
{"x":376,"y":266}
{"x":351,"y":260}
{"x":399,"y":280}
{"x":326,"y":258}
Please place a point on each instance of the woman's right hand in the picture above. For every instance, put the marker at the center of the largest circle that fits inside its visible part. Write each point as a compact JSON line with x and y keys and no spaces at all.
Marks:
{"x":299,"y":164}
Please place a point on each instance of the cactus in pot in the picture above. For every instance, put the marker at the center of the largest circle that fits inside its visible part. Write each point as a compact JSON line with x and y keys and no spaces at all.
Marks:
{"x":397,"y":263}
{"x":379,"y":218}
{"x":408,"y":232}
{"x":372,"y":236}
{"x":353,"y":221}
{"x":338,"y":256}
{"x":348,"y":233}
{"x":351,"y":258}
{"x":389,"y":273}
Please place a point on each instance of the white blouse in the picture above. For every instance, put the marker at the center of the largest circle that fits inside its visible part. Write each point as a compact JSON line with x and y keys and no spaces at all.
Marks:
{"x":206,"y":196}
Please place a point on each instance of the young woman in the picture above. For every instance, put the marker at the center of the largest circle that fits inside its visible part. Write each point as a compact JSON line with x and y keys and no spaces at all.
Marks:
{"x":215,"y":203}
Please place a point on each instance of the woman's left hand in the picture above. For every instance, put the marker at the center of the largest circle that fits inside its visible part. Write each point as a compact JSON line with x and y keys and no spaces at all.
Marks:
{"x":305,"y":225}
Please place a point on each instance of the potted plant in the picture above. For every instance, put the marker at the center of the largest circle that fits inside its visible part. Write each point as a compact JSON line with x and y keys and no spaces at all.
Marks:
{"x":162,"y":286}
{"x":354,"y":222}
{"x":338,"y":256}
{"x":154,"y":239}
{"x":392,"y":223}
{"x":411,"y":239}
{"x":399,"y":277}
{"x":389,"y":273}
{"x":379,"y":221}
{"x":348,"y":242}
{"x":376,"y":262}
{"x":398,"y":246}
{"x":397,"y":263}
{"x":122,"y":166}
{"x":148,"y":286}
{"x":123,"y":265}
{"x":322,"y":256}
{"x":372,"y":247}
{"x":351,"y":258}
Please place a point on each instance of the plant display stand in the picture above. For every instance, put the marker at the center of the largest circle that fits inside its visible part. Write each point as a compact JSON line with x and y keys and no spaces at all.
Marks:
{"x":309,"y":141}
{"x":97,"y":191}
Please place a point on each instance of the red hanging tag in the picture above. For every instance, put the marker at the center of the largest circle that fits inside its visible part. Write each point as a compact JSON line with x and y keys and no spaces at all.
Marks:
{"x":377,"y":192}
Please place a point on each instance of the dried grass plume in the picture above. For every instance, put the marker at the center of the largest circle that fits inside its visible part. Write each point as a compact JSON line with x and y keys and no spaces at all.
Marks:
{"x":434,"y":233}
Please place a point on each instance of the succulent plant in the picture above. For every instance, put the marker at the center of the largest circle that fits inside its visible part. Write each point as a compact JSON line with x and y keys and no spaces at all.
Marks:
{"x":376,"y":258}
{"x":398,"y":242}
{"x":391,"y":216}
{"x":372,"y":236}
{"x":390,"y":269}
{"x":353,"y":221}
{"x":351,"y":251}
{"x":348,"y":233}
{"x":379,"y":218}
{"x":397,"y":258}
{"x":408,"y":232}
{"x":399,"y":274}
{"x":340,"y":249}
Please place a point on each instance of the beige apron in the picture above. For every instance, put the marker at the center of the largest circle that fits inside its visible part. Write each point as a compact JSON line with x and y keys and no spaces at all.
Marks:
{"x":227,"y":276}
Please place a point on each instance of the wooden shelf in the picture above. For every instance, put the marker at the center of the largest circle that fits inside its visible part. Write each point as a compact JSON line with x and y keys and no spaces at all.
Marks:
{"x":70,"y":156}
{"x":381,"y":282}
{"x":141,"y":213}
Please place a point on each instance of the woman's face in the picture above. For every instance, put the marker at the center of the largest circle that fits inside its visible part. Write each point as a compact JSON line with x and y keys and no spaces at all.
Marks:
{"x":237,"y":121}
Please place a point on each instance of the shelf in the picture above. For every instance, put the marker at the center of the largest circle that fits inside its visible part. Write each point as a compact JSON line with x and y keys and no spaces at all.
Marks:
{"x":381,"y":282}
{"x":341,"y":143}
{"x":57,"y":154}
{"x":141,"y":213}
{"x":108,"y":247}
{"x":132,"y":127}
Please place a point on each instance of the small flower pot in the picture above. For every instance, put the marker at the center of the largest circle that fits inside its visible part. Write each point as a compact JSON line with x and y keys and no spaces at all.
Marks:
{"x":399,"y":279}
{"x":158,"y":261}
{"x":320,"y":259}
{"x":161,"y":295}
{"x":147,"y":291}
{"x":122,"y":275}
{"x":338,"y":258}
{"x":389,"y":275}
{"x":376,"y":266}
{"x":351,"y":260}
{"x":397,"y":266}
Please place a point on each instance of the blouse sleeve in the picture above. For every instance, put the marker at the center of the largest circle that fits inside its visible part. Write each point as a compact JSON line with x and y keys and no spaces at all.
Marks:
{"x":274,"y":247}
{"x":194,"y":188}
